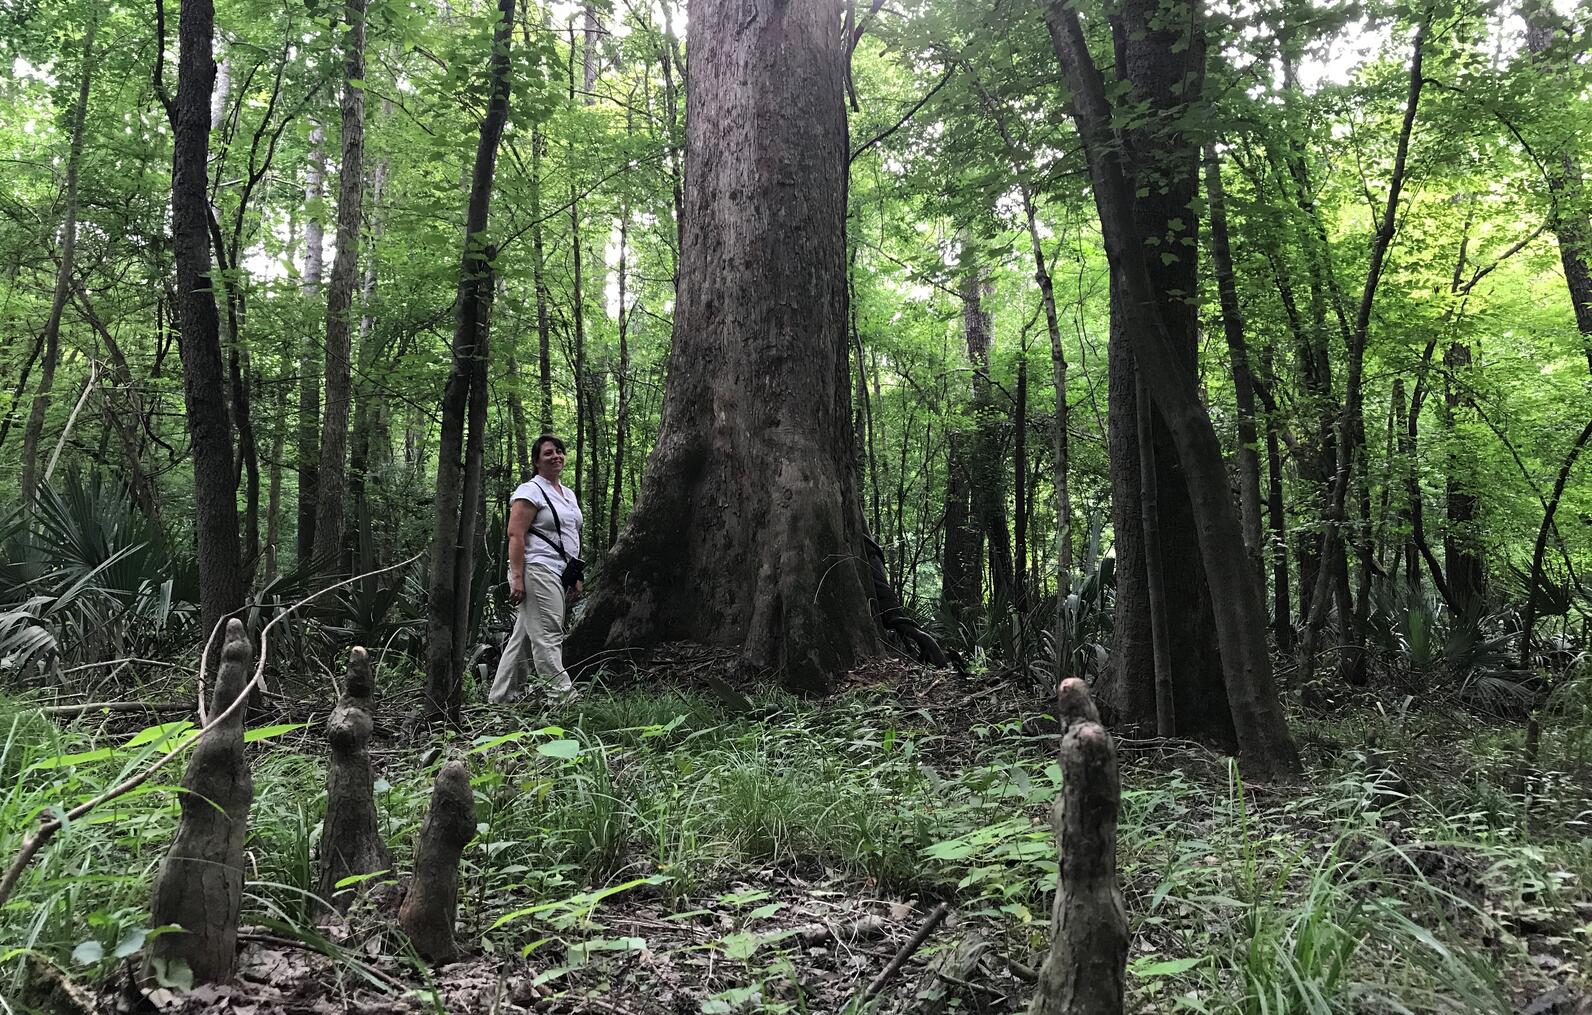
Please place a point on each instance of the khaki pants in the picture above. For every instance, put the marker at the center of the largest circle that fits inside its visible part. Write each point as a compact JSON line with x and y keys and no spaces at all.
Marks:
{"x":537,"y":639}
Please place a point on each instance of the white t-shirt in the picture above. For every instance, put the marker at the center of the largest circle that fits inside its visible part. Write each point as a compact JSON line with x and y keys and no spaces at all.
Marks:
{"x":542,"y":494}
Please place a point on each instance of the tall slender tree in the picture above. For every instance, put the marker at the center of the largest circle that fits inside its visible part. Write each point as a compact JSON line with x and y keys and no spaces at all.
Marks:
{"x":203,"y":374}
{"x":332,"y":478}
{"x":51,"y":337}
{"x":460,"y":447}
{"x":308,"y":443}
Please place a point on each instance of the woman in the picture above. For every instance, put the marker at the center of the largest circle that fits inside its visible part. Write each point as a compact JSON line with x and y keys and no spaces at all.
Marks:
{"x":544,"y":536}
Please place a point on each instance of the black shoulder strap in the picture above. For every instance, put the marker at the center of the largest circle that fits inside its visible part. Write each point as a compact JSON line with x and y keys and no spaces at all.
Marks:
{"x":559,"y":546}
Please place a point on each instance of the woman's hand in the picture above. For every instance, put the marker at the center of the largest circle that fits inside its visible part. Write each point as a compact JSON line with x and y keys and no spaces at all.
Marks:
{"x":575,"y":592}
{"x":517,"y":590}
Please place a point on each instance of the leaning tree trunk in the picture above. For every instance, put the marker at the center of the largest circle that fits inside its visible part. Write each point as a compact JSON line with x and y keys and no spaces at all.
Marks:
{"x":464,"y":399}
{"x":1247,"y":454}
{"x":200,"y":884}
{"x":332,"y":480}
{"x":747,"y":530}
{"x":1264,"y":742}
{"x":51,"y":340}
{"x":203,"y":376}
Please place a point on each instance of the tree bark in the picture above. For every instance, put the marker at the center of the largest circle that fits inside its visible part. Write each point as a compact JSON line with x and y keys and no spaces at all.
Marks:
{"x":1058,"y":368}
{"x":986,"y":477}
{"x":200,"y":884}
{"x":1466,"y":572}
{"x":203,"y":376}
{"x":432,"y":903}
{"x":962,"y":567}
{"x":464,"y":402}
{"x":749,"y":500}
{"x":332,"y":478}
{"x":1167,"y":78}
{"x":591,"y":29}
{"x":51,"y":337}
{"x":622,"y":380}
{"x":371,"y":441}
{"x":1243,"y":385}
{"x":1571,"y":224}
{"x":1084,"y":971}
{"x":1277,"y":521}
{"x":309,"y":416}
{"x":1154,"y":581}
{"x":544,"y":330}
{"x":1265,"y":745}
{"x":351,"y":839}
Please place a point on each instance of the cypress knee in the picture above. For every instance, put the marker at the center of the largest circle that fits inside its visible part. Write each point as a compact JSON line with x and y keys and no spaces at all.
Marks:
{"x":429,"y":908}
{"x":200,"y":884}
{"x":1088,"y":926}
{"x":351,"y":841}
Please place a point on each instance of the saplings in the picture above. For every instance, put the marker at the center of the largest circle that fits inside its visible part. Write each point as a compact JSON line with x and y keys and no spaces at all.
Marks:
{"x":429,"y":908}
{"x":200,"y":884}
{"x":351,"y":842}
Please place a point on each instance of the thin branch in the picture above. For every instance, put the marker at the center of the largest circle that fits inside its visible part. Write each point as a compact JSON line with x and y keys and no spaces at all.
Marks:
{"x":950,"y":72}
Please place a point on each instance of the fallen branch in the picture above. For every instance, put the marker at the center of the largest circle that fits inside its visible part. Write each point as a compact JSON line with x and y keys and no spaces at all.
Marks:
{"x":116,"y":706}
{"x":49,"y":826}
{"x":881,"y":981}
{"x":872,"y":925}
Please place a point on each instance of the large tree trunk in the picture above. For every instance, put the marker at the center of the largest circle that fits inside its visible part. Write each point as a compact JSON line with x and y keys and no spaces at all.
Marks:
{"x":332,"y":480}
{"x":747,"y":530}
{"x":1140,"y":311}
{"x":308,"y":448}
{"x":51,"y":339}
{"x":464,"y":400}
{"x":203,"y":375}
{"x":1165,"y":75}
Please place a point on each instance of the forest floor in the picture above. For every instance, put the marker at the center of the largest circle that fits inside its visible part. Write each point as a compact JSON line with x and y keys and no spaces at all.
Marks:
{"x":660,"y":847}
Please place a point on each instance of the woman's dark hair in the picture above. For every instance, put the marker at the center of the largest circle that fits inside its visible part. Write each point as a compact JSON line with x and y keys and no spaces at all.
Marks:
{"x":536,"y":448}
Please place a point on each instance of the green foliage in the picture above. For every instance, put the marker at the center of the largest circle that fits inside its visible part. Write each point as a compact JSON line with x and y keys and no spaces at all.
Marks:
{"x":89,"y":579}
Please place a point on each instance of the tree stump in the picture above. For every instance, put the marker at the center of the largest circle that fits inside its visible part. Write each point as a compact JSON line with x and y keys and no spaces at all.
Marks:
{"x":200,"y":884}
{"x":351,"y":840}
{"x":428,"y":910}
{"x":1088,"y":926}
